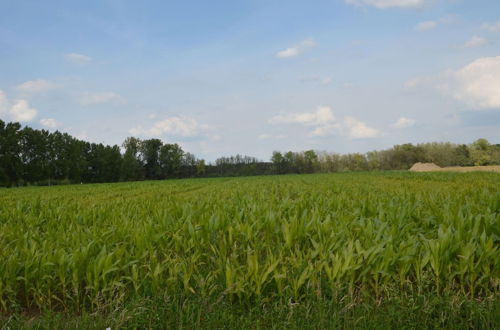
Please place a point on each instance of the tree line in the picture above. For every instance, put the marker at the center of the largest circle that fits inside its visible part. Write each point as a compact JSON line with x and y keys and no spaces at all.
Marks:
{"x":38,"y":157}
{"x":399,"y":157}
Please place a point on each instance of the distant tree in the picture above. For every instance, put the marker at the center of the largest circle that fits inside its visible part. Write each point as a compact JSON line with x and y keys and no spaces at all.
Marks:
{"x":310,"y":160}
{"x":132,"y":168}
{"x":34,"y":154}
{"x":358,"y":162}
{"x":112,"y":164}
{"x":200,"y":167}
{"x":480,"y":152}
{"x":188,"y":165}
{"x":278,"y":162}
{"x":289,"y":162}
{"x":10,"y":160}
{"x":150,"y":152}
{"x":170,"y":160}
{"x":462,"y":156}
{"x":372,"y":160}
{"x":495,"y":154}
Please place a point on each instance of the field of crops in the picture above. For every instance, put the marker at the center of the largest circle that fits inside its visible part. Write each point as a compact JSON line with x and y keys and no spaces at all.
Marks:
{"x":279,"y":241}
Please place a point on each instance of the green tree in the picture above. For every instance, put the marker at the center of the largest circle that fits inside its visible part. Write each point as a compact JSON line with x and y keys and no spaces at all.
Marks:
{"x":480,"y":152}
{"x":310,"y":160}
{"x":131,"y":168}
{"x":10,"y":149}
{"x":200,"y":167}
{"x":150,"y":151}
{"x":462,"y":156}
{"x":278,"y":160}
{"x":170,"y":160}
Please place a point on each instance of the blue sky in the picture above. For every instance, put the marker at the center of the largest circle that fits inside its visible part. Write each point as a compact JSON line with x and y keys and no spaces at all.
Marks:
{"x":253,"y":76}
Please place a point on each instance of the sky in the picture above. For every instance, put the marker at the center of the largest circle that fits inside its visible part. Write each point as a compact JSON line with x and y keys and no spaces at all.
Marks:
{"x":224,"y":77}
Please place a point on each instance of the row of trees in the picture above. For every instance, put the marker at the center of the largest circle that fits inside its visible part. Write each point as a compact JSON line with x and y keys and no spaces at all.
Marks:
{"x":30,"y":156}
{"x":399,"y":157}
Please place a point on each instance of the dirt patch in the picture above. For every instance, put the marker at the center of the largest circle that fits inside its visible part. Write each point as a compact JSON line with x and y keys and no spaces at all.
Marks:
{"x":491,"y":168}
{"x":424,"y":167}
{"x":431,"y":167}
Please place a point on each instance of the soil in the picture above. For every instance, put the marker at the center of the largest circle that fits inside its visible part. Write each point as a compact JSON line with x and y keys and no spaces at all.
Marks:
{"x":424,"y":167}
{"x":431,"y":167}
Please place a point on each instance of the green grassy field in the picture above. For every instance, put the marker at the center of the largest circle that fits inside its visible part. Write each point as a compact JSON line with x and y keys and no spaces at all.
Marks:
{"x":365,"y":250}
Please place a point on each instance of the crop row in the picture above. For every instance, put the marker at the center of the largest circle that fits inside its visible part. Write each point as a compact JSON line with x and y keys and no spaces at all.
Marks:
{"x":290,"y":237}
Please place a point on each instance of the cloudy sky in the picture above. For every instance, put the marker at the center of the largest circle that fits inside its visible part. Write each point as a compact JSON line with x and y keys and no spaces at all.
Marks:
{"x":252,"y":76}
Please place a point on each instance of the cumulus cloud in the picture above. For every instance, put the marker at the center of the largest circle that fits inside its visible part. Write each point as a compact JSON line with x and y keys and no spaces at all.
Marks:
{"x":77,"y":58}
{"x":404,"y":122}
{"x":382,"y":4}
{"x":49,"y":122}
{"x":359,"y":130}
{"x":476,"y":84}
{"x":101,"y":97}
{"x":296,"y":49}
{"x":36,"y":86}
{"x":325,"y":123}
{"x":326,"y":130}
{"x":173,"y":126}
{"x":493,"y":27}
{"x":22,"y":112}
{"x":19,"y":110}
{"x":475,"y":41}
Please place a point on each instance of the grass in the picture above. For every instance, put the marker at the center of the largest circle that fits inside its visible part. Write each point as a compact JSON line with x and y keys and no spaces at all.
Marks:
{"x":367,"y":250}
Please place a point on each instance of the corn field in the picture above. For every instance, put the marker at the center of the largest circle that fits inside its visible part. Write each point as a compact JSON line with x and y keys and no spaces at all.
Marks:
{"x":78,"y":248}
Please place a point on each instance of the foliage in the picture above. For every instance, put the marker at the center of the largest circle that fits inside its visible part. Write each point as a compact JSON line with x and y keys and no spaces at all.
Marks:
{"x":38,"y":157}
{"x":360,"y":238}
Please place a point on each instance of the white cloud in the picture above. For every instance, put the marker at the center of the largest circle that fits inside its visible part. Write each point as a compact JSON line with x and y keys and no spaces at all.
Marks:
{"x":297,"y":49}
{"x":326,"y":130}
{"x":49,"y":122}
{"x":476,"y":84}
{"x":322,"y":115}
{"x":173,"y":126}
{"x":22,"y":112}
{"x":493,"y":27}
{"x":382,"y":4}
{"x":475,"y":41}
{"x":359,"y":130}
{"x":325,"y":123}
{"x":425,"y":26}
{"x":36,"y":86}
{"x":404,"y":122}
{"x":77,"y":58}
{"x":101,"y":97}
{"x":19,"y":111}
{"x":289,"y":52}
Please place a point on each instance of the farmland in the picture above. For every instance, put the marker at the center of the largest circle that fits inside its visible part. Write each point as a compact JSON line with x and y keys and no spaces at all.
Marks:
{"x":387,"y":249}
